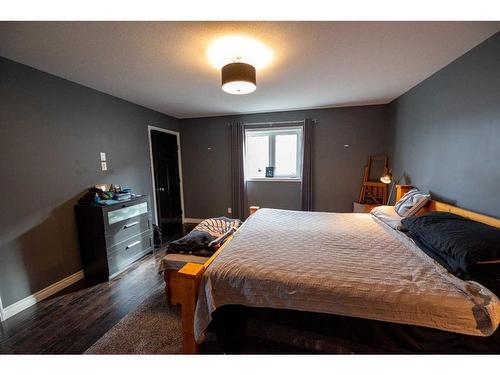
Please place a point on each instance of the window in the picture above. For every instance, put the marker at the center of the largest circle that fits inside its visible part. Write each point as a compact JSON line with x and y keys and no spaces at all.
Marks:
{"x":280,"y":148}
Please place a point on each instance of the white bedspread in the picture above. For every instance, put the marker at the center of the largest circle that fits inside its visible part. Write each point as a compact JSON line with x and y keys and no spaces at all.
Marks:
{"x":344,"y":264}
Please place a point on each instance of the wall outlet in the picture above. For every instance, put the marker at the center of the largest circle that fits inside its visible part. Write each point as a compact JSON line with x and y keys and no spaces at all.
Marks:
{"x":104,"y":166}
{"x":229,"y":210}
{"x":103,"y":156}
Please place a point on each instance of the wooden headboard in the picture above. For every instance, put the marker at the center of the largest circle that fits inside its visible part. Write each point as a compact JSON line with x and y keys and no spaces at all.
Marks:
{"x":445,"y":207}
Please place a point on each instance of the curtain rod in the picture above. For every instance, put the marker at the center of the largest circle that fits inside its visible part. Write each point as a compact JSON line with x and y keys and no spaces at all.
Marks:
{"x":314,"y":121}
{"x":273,"y":122}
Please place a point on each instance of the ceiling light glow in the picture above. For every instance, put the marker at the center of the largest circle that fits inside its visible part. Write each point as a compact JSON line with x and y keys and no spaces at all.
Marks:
{"x":229,"y":49}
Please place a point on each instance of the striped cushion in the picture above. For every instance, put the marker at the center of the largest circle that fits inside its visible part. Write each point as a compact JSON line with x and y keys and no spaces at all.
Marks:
{"x":411,"y":202}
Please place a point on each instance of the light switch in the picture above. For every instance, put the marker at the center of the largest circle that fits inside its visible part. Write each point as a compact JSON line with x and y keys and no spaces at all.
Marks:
{"x":104,"y":166}
{"x":103,"y":156}
{"x":229,"y":210}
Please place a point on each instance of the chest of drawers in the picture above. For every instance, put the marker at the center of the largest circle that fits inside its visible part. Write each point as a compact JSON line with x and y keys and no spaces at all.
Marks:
{"x":111,"y":238}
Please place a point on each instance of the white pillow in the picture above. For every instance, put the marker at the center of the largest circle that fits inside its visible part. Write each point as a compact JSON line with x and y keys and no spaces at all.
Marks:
{"x":411,"y":202}
{"x":388,"y":215}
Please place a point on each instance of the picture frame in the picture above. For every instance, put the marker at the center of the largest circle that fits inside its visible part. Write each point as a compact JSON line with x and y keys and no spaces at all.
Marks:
{"x":269,"y":171}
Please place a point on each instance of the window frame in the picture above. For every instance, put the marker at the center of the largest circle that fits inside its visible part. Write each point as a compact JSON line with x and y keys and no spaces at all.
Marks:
{"x":271,"y":132}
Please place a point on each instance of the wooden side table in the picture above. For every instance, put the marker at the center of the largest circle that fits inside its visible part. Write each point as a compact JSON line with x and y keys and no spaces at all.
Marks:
{"x":253,"y":209}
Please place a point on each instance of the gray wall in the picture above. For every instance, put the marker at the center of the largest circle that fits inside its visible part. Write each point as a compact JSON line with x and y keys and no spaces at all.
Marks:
{"x":278,"y":194}
{"x":338,"y":171}
{"x":51,"y":133}
{"x":447,"y":131}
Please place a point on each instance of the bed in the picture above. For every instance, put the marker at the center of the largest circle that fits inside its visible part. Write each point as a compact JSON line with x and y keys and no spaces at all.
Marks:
{"x":324,"y":265}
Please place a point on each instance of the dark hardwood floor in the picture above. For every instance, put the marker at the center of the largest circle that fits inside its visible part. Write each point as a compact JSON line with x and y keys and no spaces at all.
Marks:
{"x":75,"y":318}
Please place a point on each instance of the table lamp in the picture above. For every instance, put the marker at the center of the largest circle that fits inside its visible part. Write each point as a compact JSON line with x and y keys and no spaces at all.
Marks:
{"x":387,"y":179}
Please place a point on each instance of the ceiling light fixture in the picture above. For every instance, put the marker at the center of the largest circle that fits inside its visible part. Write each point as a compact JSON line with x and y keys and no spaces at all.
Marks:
{"x":238,"y":57}
{"x":238,"y":78}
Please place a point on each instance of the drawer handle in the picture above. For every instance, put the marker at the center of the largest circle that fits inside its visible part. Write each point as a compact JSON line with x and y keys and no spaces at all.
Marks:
{"x":132,"y":244}
{"x":130,"y":225}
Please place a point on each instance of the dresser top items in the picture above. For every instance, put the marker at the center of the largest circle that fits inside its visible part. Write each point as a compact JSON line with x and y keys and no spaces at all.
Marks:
{"x":106,"y":195}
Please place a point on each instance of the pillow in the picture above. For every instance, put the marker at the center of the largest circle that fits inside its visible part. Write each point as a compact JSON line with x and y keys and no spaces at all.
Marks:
{"x":387,"y":215}
{"x":411,"y":202}
{"x":464,"y":247}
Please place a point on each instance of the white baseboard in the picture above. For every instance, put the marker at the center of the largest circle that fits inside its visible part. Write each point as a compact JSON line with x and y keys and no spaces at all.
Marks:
{"x":191,"y":220}
{"x":29,"y":301}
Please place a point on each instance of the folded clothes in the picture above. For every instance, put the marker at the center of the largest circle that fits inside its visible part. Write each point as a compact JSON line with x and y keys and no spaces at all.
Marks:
{"x":206,"y":237}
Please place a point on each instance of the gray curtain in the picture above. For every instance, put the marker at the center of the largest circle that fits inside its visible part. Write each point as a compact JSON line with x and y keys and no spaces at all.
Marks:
{"x":307,"y":168}
{"x":237,"y":171}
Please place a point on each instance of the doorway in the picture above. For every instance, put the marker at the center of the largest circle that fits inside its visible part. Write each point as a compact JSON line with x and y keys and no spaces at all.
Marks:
{"x":167,"y":183}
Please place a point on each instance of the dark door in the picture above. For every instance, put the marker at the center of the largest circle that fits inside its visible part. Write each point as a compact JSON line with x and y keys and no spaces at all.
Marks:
{"x":167,"y":183}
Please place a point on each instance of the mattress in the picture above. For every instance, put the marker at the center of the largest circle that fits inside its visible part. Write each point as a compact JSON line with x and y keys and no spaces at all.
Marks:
{"x":343,"y":264}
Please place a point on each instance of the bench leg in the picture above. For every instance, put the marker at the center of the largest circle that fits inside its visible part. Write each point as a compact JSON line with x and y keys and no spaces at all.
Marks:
{"x":167,"y":287}
{"x":182,"y":288}
{"x":188,"y":303}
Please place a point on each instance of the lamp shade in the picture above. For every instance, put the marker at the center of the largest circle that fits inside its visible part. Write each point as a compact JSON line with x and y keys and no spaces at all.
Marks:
{"x":386,"y":178}
{"x":238,"y":78}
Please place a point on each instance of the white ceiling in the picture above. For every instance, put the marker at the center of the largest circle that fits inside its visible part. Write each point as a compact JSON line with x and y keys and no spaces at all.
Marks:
{"x":163,"y":65}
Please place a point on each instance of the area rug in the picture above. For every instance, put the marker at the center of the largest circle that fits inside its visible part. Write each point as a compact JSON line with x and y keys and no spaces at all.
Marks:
{"x":153,"y":328}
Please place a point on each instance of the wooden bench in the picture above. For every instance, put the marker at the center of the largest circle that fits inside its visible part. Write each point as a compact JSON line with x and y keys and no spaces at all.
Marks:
{"x":172,"y":263}
{"x":182,"y":283}
{"x":181,"y":288}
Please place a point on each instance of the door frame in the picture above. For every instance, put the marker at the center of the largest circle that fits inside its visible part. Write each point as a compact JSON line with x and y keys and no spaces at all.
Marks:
{"x":1,"y":310}
{"x":181,"y":185}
